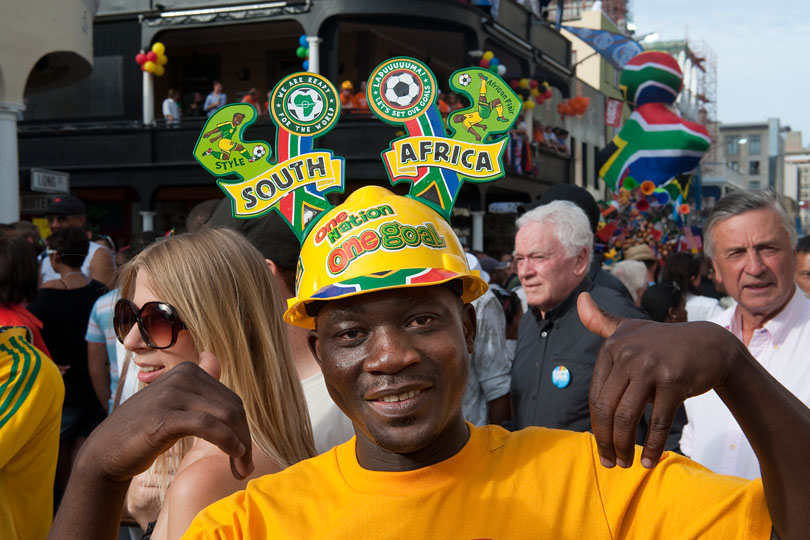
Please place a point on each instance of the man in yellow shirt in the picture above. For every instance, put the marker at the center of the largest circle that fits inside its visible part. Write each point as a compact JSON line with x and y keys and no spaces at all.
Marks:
{"x":393,"y":330}
{"x":31,"y":395}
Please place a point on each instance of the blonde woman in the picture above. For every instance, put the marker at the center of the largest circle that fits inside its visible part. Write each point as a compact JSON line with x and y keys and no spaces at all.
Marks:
{"x":209,"y":295}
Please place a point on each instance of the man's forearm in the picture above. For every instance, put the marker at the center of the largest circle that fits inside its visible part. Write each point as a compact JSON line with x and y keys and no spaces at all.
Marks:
{"x":776,"y":424}
{"x":89,"y":489}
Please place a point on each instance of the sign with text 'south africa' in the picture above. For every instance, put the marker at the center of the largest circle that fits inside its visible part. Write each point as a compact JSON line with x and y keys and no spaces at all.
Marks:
{"x":303,"y":106}
{"x":403,"y":91}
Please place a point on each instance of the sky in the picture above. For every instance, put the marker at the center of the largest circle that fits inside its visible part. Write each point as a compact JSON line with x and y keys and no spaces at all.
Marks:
{"x":762,"y":49}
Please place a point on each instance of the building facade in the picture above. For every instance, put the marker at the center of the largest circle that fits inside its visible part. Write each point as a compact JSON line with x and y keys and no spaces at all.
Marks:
{"x":123,"y":166}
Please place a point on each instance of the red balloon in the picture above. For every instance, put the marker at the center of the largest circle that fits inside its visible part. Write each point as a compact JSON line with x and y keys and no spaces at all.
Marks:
{"x":533,"y":83}
{"x":151,"y":56}
{"x":140,"y":58}
{"x":514,"y":84}
{"x":547,"y":93}
{"x":561,"y":108}
{"x":484,"y":63}
{"x":539,"y":99}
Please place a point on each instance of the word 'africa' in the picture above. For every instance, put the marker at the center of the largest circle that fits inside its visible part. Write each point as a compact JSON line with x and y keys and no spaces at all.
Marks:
{"x":448,"y":151}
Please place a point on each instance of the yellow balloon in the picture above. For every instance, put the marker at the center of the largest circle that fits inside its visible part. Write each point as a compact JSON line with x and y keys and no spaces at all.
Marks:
{"x":534,"y":92}
{"x":489,"y":55}
{"x":524,"y":83}
{"x":150,"y":67}
{"x":158,"y":48}
{"x":162,"y":59}
{"x":528,"y":104}
{"x":159,"y":71}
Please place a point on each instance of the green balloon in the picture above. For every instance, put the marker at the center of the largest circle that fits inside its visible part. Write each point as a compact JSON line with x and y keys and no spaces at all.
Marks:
{"x":302,"y":52}
{"x":629,"y":183}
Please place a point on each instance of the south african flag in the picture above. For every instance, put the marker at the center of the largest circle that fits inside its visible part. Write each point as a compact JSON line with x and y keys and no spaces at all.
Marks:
{"x":655,"y":144}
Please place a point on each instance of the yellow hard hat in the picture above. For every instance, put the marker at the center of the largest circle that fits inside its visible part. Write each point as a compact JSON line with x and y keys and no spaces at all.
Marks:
{"x":377,"y":240}
{"x":347,"y":85}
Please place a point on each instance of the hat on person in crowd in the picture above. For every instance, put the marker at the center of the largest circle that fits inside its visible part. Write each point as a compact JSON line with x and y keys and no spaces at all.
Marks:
{"x":268,"y":233}
{"x":475,"y":265}
{"x":575,"y":194}
{"x":640,"y":252}
{"x":375,"y":240}
{"x":66,"y":205}
{"x":346,"y":85}
{"x":490,"y":264}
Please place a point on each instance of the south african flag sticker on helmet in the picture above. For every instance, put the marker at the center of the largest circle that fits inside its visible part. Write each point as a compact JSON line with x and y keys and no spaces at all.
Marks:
{"x":401,"y":88}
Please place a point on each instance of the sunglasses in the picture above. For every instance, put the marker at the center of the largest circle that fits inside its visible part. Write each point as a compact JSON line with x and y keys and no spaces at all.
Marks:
{"x":158,"y":323}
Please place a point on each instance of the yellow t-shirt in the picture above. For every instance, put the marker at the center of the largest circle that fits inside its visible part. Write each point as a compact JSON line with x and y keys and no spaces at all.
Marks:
{"x":31,"y":395}
{"x":536,"y":483}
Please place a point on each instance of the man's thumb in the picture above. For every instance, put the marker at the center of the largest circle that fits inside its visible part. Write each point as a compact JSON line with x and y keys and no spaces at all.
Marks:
{"x":594,"y":319}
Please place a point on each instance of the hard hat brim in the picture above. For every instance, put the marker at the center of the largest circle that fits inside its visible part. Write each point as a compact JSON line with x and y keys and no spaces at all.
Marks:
{"x":473,"y":287}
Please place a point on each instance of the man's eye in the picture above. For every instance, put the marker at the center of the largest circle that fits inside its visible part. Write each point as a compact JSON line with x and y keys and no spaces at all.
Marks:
{"x":421,"y":320}
{"x":350,"y":334}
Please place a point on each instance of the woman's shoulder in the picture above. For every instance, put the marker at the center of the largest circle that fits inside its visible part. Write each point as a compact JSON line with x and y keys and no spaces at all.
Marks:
{"x":204,"y":477}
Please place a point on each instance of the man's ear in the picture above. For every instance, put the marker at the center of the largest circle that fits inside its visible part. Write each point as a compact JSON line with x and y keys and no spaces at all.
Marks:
{"x":273,"y":267}
{"x":583,"y":262}
{"x":312,"y":341}
{"x":717,"y":275}
{"x":469,"y":325}
{"x":670,"y":314}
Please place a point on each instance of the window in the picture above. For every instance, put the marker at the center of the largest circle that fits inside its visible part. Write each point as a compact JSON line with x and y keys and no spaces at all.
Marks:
{"x":732,"y":145}
{"x":753,"y":167}
{"x":753,"y":184}
{"x":734,"y":165}
{"x":754,"y":147}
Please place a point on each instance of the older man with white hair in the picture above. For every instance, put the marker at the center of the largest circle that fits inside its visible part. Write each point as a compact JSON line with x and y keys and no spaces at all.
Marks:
{"x":752,"y":243}
{"x":633,"y":275}
{"x":555,"y":354}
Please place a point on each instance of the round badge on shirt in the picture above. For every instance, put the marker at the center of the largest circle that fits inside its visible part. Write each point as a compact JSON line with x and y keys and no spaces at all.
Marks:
{"x":560,"y":376}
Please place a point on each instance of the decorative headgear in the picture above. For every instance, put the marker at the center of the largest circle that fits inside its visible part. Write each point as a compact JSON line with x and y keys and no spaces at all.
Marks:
{"x":377,"y":240}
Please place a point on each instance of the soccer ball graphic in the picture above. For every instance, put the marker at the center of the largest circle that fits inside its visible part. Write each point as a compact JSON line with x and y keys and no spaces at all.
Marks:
{"x":305,"y":104}
{"x":402,"y":89}
{"x":464,"y":79}
{"x":259,"y":151}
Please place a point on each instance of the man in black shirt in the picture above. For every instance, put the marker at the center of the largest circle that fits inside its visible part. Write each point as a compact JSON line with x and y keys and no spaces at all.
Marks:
{"x":555,"y":353}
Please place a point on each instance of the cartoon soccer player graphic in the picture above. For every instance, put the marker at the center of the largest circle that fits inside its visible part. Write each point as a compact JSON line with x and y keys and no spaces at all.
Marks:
{"x":224,"y":134}
{"x":472,"y":120}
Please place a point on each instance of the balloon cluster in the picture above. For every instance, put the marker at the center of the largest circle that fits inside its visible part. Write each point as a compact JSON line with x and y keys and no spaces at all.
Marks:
{"x":532,"y":91}
{"x":576,"y":106}
{"x":642,"y":213}
{"x":153,"y":61}
{"x":302,"y":51}
{"x":487,"y":60}
{"x":490,"y":62}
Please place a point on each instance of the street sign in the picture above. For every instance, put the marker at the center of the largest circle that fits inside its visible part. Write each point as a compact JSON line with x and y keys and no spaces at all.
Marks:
{"x":47,"y":181}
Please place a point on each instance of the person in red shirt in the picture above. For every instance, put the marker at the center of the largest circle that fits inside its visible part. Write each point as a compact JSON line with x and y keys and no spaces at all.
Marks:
{"x":359,"y":99}
{"x":252,"y":97}
{"x":347,"y":95}
{"x":19,"y":280}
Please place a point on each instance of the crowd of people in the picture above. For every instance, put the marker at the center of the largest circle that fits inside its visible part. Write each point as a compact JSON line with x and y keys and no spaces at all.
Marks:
{"x":155,"y":389}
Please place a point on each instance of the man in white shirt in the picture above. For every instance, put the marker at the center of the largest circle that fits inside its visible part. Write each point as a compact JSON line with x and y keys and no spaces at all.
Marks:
{"x":752,"y":244}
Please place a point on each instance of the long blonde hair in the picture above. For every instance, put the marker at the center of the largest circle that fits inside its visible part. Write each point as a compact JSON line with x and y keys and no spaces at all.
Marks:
{"x":227,"y":297}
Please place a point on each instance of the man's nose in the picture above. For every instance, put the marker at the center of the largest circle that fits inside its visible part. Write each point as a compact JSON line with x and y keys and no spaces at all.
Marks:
{"x":391,"y":351}
{"x":753,"y":263}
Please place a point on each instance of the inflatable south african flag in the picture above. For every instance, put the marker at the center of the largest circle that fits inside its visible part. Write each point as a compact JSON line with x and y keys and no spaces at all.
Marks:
{"x":655,"y":144}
